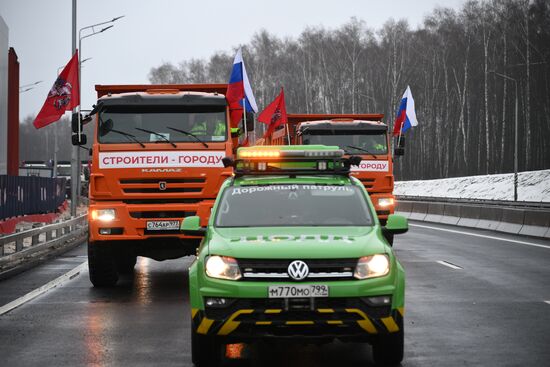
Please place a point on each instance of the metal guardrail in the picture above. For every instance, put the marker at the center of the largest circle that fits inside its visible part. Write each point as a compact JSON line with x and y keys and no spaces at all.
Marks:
{"x":54,"y":233}
{"x":502,"y":203}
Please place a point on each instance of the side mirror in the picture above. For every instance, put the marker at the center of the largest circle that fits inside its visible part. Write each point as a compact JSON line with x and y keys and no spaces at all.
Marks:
{"x":79,"y":140}
{"x":191,"y":226}
{"x":396,"y":224}
{"x":235,"y":132}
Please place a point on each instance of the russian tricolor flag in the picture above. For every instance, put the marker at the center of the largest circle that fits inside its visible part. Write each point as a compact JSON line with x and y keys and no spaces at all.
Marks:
{"x":238,"y":90}
{"x":406,"y":115}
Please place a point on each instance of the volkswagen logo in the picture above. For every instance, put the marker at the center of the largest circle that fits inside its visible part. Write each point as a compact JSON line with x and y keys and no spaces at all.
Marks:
{"x":162,"y":185}
{"x":298,"y":270}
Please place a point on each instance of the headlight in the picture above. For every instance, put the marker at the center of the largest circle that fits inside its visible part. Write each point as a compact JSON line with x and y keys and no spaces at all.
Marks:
{"x":372,"y":266}
{"x":104,"y":215}
{"x":222,"y":267}
{"x":385,"y":201}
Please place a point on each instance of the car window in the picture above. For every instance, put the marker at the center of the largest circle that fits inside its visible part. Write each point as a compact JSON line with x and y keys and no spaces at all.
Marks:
{"x":293,"y":205}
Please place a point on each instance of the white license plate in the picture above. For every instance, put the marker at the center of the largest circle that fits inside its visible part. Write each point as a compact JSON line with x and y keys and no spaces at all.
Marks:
{"x":297,"y":291}
{"x":163,"y":225}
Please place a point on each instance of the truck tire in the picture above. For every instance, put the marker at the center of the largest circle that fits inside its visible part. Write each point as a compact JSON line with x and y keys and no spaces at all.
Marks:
{"x":387,"y":350}
{"x":101,"y":264}
{"x":205,"y":350}
{"x":125,"y":263}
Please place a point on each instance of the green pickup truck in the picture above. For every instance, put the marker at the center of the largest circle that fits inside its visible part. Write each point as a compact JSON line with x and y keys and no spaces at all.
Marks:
{"x":294,"y":249}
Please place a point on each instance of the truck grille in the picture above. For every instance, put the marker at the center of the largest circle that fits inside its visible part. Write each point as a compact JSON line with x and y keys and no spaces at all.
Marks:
{"x":162,"y":186}
{"x":367,"y":182}
{"x":319,"y":269}
{"x":175,"y":214}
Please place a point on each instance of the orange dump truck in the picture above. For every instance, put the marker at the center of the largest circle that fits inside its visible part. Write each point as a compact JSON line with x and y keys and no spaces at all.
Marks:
{"x":156,"y":159}
{"x":357,"y":134}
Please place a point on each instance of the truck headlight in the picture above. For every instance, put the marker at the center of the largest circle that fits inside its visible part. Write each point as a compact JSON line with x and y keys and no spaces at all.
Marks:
{"x":222,"y":267}
{"x":372,"y":266}
{"x":385,"y":202}
{"x":104,"y":215}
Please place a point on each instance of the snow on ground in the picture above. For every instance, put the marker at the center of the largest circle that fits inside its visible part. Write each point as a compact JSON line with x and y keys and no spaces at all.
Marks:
{"x":532,"y":186}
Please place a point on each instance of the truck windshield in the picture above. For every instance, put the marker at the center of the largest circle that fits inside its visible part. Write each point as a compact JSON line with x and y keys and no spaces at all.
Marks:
{"x":207,"y":123}
{"x":372,"y":141}
{"x":293,"y":205}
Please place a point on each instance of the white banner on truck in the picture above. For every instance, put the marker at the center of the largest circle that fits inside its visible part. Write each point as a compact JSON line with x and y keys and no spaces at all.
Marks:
{"x":146,"y":159}
{"x":372,"y":166}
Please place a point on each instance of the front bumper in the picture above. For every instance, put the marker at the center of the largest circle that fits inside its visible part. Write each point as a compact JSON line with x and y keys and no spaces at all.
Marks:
{"x":251,"y":318}
{"x":128,"y":226}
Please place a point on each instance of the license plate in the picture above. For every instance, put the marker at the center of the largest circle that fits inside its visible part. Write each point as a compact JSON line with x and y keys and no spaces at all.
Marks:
{"x":297,"y":291}
{"x":163,"y":225}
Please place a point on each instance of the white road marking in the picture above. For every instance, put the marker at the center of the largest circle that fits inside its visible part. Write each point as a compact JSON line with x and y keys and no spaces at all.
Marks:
{"x":43,"y":289}
{"x":482,"y":236}
{"x":448,"y":264}
{"x":547,"y":302}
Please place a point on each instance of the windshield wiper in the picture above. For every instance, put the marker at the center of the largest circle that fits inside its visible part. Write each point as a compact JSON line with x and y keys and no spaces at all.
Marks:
{"x":129,"y":136}
{"x":157,"y":134}
{"x":188,"y":134}
{"x":361,"y":150}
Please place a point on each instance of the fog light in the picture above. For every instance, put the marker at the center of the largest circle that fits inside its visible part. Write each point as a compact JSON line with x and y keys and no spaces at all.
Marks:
{"x":378,"y":301}
{"x":216,"y":302}
{"x":105,"y":231}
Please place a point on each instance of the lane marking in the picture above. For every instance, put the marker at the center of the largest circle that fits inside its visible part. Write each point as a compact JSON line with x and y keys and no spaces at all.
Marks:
{"x":482,"y":236}
{"x":71,"y":274}
{"x":448,"y":264}
{"x":547,"y":302}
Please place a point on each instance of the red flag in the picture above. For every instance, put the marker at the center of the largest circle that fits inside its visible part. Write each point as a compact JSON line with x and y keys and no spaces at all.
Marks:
{"x":275,"y":114}
{"x":63,"y":96}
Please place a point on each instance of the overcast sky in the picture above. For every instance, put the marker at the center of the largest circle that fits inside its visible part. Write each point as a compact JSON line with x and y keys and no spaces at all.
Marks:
{"x":168,"y":30}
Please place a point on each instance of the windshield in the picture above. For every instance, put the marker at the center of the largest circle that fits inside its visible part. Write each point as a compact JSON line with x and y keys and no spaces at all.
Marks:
{"x":208,"y":124}
{"x":372,"y":141}
{"x":293,"y":205}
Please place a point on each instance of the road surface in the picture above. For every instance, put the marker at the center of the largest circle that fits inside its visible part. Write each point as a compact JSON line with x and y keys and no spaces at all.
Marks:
{"x":474,"y":298}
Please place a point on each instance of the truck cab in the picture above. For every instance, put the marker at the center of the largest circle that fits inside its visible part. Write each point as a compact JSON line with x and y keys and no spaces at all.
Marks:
{"x":363,"y":135}
{"x":156,"y":158}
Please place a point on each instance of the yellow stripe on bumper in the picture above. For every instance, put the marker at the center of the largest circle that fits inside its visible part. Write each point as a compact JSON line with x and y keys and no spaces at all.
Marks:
{"x":300,"y":323}
{"x":273,"y":310}
{"x":194,"y":312}
{"x":401,"y":311}
{"x":390,"y":324}
{"x":204,"y":326}
{"x":366,"y":324}
{"x":231,"y":325}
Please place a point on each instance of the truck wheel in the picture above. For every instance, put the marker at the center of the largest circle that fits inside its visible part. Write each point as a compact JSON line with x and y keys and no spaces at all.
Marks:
{"x":125,"y":263}
{"x":101,"y":264}
{"x":205,"y":350}
{"x":388,"y":349}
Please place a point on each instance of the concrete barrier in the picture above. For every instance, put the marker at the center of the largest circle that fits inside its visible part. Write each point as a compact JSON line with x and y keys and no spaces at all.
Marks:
{"x":536,"y":223}
{"x":519,"y":220}
{"x":512,"y":220}
{"x":451,"y":214}
{"x":435,"y":212}
{"x":489,"y":218}
{"x":404,"y":207}
{"x":469,"y":216}
{"x":418,"y":211}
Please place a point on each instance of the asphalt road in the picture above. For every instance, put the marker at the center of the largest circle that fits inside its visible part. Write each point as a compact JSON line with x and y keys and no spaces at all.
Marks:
{"x":471,"y":301}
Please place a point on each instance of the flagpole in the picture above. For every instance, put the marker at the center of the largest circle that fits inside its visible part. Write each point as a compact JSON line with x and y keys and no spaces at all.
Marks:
{"x":287,"y":134}
{"x":75,"y":152}
{"x":244,"y":118}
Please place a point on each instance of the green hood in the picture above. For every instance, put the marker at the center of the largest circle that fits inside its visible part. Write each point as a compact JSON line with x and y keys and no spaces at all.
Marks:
{"x":296,"y":242}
